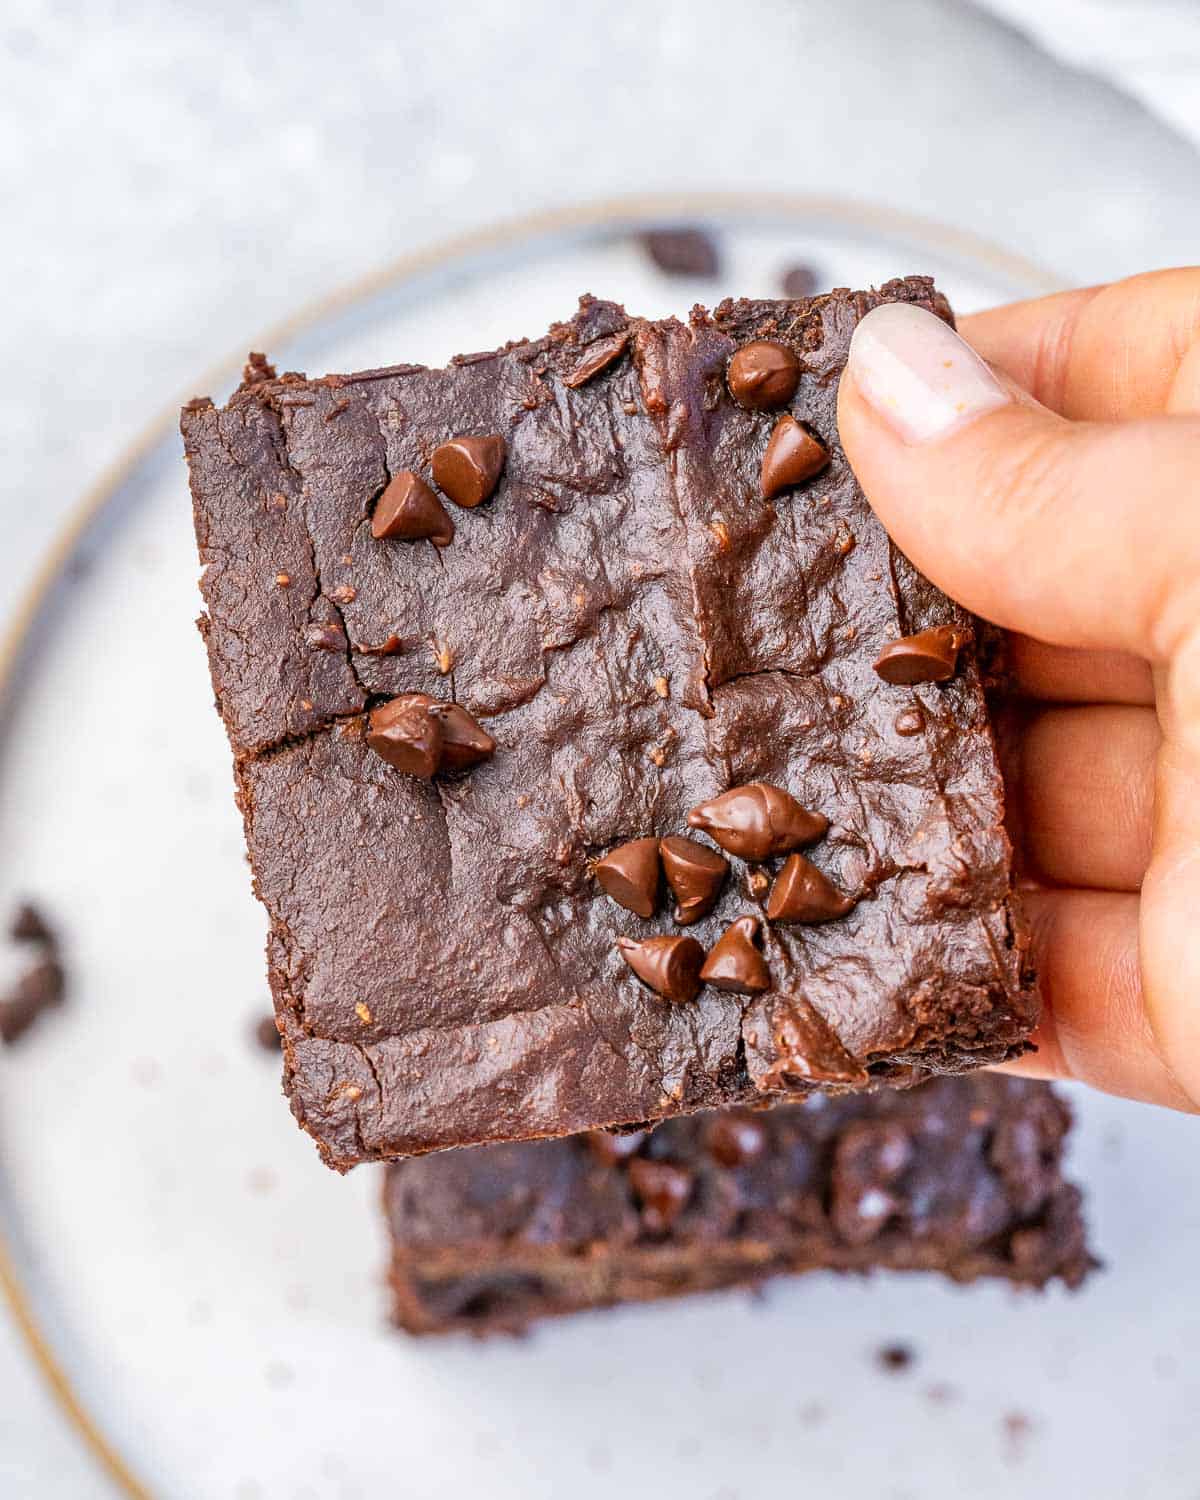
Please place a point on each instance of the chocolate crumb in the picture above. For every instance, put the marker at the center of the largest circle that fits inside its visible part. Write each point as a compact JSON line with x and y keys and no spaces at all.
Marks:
{"x":895,"y":1358}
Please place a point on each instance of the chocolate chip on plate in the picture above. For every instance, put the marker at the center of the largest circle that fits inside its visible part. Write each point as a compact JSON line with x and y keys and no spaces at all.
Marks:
{"x":763,"y":375}
{"x":798,"y":281}
{"x":39,"y":988}
{"x":662,"y":1188}
{"x":683,"y":251}
{"x":695,"y":874}
{"x":735,"y":1138}
{"x":468,"y":468}
{"x":757,"y":821}
{"x":30,"y":926}
{"x":611,"y":1147}
{"x":465,"y":742}
{"x":266,"y":1034}
{"x":792,"y":456}
{"x":669,"y":965}
{"x":802,"y":893}
{"x":736,"y":963}
{"x":405,"y":734}
{"x":631,"y":874}
{"x":895,"y":1357}
{"x":409,"y":511}
{"x":928,"y":656}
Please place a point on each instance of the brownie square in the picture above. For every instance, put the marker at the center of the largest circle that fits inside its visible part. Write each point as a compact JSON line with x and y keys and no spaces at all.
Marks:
{"x":961,"y":1176}
{"x":639,"y":631}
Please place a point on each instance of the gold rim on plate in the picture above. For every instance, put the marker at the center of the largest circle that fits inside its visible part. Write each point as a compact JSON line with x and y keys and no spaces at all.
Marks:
{"x":609,"y":213}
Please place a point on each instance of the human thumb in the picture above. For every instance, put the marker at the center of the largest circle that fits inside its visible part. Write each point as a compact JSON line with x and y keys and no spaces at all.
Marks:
{"x":1061,"y":530}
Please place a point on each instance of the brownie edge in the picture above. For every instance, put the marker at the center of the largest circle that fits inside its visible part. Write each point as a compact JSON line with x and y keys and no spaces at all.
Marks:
{"x":961,"y":1176}
{"x":636,"y":632}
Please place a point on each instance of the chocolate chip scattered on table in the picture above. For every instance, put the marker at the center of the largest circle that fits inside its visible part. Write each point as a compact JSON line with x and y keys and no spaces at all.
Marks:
{"x":606,"y":488}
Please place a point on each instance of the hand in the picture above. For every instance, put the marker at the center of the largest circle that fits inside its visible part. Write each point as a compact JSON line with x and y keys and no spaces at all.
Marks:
{"x":1055,"y":490}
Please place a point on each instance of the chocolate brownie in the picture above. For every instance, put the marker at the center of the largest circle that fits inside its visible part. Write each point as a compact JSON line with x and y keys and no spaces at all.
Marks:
{"x":483,"y":636}
{"x":961,"y":1176}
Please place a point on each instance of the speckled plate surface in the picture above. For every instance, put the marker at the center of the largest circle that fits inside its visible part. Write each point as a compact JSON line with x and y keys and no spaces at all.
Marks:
{"x":211,"y":1297}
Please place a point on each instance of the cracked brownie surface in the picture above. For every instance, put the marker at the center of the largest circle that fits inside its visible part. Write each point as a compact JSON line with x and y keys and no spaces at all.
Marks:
{"x":962,"y":1176}
{"x":639,"y":630}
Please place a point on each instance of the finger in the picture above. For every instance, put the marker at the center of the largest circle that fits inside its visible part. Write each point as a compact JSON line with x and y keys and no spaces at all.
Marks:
{"x":1083,"y":535}
{"x":1057,"y":674}
{"x":1104,"y":353}
{"x":1084,"y":788}
{"x":1171,"y":890}
{"x":1094,"y":1025}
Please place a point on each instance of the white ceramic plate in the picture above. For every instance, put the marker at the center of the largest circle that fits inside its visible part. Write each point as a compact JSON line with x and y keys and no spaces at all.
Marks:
{"x":212,"y":1295}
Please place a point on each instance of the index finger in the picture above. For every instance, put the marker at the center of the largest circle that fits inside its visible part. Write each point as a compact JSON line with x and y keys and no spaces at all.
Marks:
{"x":1102,"y":353}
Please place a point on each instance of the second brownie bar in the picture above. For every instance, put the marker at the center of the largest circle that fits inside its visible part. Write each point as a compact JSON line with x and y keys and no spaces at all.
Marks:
{"x":962,"y":1176}
{"x":483,"y":636}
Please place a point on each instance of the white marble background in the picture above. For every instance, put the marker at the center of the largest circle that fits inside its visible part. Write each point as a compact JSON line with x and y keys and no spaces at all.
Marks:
{"x":175,"y":177}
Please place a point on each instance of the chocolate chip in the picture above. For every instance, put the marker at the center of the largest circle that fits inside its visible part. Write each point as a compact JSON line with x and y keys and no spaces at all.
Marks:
{"x":928,"y":656}
{"x":662,"y":1188}
{"x":39,"y":988}
{"x":468,"y":468}
{"x":325,"y":637}
{"x":421,"y":735}
{"x":798,"y":281}
{"x":465,"y":742}
{"x":763,"y":375}
{"x":29,"y":926}
{"x":669,"y":965}
{"x":597,"y":357}
{"x":735,"y":963}
{"x":409,"y":511}
{"x":611,"y":1147}
{"x":895,"y":1357}
{"x":793,"y":455}
{"x":682,"y":252}
{"x":735,"y":1138}
{"x":695,"y":874}
{"x":802,"y":893}
{"x":405,"y":734}
{"x":757,"y":821}
{"x":266,"y":1034}
{"x":630,"y":874}
{"x":909,"y":721}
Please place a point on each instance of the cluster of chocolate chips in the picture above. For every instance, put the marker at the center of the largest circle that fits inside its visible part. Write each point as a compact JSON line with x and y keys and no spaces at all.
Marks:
{"x":466,"y":470}
{"x":733,"y":1138}
{"x":43,"y":983}
{"x":764,"y":375}
{"x":421,"y":735}
{"x":755,"y":822}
